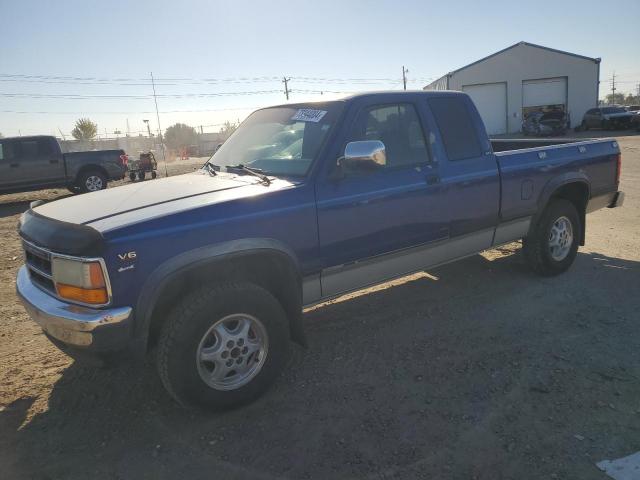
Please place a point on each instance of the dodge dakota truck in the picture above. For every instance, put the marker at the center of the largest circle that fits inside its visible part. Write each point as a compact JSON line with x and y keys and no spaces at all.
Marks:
{"x":304,"y":202}
{"x":34,"y":163}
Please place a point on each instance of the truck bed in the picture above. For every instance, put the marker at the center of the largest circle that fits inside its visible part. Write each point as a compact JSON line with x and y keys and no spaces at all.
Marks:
{"x":528,"y":166}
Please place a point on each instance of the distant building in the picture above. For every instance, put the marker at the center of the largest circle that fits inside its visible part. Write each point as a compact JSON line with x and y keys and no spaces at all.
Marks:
{"x":510,"y":84}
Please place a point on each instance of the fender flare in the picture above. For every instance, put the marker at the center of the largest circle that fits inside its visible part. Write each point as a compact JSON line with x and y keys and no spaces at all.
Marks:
{"x":208,"y":255}
{"x":552,"y":186}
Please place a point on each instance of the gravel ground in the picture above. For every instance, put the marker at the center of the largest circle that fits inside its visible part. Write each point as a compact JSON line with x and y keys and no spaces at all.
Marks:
{"x":474,"y":370}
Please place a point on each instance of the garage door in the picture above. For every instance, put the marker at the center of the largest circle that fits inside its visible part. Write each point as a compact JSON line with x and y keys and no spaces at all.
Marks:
{"x":491,"y":102}
{"x":543,"y":92}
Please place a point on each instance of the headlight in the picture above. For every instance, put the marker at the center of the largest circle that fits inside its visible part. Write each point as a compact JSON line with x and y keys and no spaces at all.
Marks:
{"x":80,"y":280}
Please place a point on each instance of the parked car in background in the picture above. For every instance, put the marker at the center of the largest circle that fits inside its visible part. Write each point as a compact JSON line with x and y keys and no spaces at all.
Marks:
{"x":303,"y":203}
{"x":633,"y":109}
{"x":606,"y":118}
{"x":33,"y":163}
{"x":544,"y":124}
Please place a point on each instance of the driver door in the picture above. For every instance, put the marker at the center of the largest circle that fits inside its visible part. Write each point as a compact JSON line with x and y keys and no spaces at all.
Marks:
{"x":369,"y":216}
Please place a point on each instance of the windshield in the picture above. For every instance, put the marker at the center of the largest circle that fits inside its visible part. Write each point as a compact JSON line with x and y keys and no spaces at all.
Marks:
{"x":279,"y":140}
{"x":608,"y":110}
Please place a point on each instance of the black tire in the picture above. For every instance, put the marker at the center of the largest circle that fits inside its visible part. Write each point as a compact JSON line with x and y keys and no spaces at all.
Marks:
{"x":536,"y":246}
{"x":141,"y":175}
{"x":186,"y":327}
{"x":92,"y":181}
{"x":73,"y":189}
{"x":154,"y":175}
{"x":132,"y":176}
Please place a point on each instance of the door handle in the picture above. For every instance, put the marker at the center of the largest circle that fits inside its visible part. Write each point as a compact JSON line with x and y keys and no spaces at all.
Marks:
{"x":432,"y":179}
{"x":14,"y":165}
{"x":53,"y":160}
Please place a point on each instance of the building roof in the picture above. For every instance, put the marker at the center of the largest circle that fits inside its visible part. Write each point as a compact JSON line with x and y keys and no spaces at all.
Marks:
{"x":596,"y":60}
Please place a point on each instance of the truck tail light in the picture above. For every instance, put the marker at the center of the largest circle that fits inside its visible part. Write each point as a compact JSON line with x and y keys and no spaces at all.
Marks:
{"x":124,"y":159}
{"x":80,"y":281}
{"x":618,"y":167}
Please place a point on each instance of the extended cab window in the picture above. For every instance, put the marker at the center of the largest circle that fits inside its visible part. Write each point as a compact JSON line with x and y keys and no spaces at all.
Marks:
{"x":458,"y":133}
{"x":399,"y":128}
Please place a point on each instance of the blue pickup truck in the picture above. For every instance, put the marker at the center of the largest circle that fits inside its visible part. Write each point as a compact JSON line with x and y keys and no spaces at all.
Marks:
{"x":211,"y":270}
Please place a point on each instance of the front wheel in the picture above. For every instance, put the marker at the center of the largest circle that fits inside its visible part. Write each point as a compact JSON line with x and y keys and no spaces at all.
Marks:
{"x":552,"y":245}
{"x":223,"y":346}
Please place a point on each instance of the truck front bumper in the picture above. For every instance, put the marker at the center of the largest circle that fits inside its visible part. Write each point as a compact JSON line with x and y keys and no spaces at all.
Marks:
{"x":81,"y":328}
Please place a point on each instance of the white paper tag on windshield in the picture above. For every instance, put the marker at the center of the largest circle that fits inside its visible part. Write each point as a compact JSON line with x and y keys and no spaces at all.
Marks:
{"x":309,"y":115}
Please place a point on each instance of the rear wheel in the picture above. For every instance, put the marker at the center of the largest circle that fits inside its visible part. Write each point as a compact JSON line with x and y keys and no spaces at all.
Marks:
{"x":223,"y":346}
{"x":141,"y":175}
{"x":92,"y":181}
{"x":552,"y":246}
{"x":132,"y":176}
{"x":154,"y":175}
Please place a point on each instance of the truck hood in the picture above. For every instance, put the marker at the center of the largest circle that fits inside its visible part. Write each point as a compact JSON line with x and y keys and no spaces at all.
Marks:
{"x":127,"y":204}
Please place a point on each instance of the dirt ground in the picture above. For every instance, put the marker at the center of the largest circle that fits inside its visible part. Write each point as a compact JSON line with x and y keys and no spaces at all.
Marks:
{"x":474,"y":370}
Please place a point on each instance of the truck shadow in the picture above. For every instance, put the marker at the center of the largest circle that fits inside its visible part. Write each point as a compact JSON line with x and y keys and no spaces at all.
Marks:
{"x":394,"y":382}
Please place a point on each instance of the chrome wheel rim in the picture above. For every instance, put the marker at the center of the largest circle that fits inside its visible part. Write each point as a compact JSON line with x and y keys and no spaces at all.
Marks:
{"x":560,"y":239}
{"x":232,"y":351}
{"x":93,"y":183}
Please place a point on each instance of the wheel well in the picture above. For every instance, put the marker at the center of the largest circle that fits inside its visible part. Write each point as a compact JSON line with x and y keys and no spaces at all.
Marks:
{"x":274,"y":272}
{"x":578,"y":194}
{"x":91,"y":168}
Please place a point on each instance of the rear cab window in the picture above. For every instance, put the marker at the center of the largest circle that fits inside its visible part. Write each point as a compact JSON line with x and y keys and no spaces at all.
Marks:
{"x":459,"y":134}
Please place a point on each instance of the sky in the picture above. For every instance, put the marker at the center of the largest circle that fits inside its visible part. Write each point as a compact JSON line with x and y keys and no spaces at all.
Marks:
{"x":216,"y":61}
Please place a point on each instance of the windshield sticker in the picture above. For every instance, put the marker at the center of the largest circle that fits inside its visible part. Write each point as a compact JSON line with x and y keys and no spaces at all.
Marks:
{"x":309,"y":115}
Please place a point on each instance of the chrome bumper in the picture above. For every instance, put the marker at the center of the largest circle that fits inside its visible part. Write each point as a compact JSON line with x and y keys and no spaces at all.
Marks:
{"x":68,"y":323}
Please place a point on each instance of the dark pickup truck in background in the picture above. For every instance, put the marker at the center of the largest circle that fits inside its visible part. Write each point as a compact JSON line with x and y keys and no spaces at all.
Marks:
{"x":33,"y":163}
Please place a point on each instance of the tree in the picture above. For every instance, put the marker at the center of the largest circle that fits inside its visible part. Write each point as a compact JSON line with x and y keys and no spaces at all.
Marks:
{"x":180,"y":136}
{"x":227,"y":129}
{"x":85,"y":129}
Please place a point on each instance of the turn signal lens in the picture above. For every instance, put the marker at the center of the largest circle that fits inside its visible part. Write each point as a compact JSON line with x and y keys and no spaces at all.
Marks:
{"x":79,"y":280}
{"x":96,"y":296}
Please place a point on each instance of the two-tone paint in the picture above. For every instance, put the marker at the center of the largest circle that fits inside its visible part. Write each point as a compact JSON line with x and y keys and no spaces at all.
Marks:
{"x":337,"y":234}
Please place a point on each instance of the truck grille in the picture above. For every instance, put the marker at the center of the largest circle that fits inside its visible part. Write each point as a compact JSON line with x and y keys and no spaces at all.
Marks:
{"x":38,"y":261}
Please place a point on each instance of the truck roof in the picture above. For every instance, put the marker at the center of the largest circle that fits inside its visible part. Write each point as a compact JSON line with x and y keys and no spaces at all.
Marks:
{"x":376,"y":93}
{"x":29,"y":137}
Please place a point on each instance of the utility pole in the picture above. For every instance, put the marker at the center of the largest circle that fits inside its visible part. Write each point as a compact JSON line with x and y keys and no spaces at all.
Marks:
{"x":62,"y":135}
{"x":404,"y":77}
{"x":613,"y":88}
{"x":155,"y":99}
{"x":201,"y":131}
{"x":285,"y":80}
{"x":128,"y":129}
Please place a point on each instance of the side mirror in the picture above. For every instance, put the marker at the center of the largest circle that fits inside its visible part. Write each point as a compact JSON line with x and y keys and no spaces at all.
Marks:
{"x":367,"y":154}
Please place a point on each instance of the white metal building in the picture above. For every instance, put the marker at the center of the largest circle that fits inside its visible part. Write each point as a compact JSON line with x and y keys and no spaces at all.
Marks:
{"x":522,"y":78}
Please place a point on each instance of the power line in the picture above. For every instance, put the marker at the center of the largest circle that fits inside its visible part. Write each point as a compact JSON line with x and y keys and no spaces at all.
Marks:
{"x":138,"y":97}
{"x":132,"y":112}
